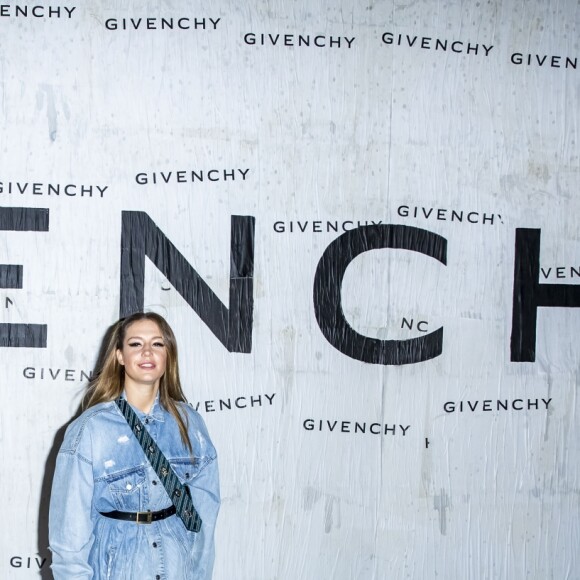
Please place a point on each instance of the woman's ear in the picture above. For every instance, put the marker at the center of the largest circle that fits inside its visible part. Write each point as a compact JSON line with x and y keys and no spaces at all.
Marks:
{"x":120,"y":357}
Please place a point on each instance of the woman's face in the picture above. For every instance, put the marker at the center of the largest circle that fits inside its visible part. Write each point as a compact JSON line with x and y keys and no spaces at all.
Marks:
{"x":143,"y":354}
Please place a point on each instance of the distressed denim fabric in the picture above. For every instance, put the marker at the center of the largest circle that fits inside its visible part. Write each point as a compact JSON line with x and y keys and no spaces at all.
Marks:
{"x":101,"y":467}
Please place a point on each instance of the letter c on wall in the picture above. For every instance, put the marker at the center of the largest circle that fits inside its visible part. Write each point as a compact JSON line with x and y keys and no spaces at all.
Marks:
{"x":328,"y":300}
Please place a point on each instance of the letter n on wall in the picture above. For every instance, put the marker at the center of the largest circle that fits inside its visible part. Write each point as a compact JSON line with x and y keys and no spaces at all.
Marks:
{"x":232,"y":325}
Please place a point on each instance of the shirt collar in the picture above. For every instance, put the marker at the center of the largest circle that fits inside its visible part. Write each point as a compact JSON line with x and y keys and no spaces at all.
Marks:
{"x":156,"y":413}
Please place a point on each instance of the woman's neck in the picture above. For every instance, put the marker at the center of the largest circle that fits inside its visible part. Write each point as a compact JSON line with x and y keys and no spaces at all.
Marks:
{"x":141,"y":397}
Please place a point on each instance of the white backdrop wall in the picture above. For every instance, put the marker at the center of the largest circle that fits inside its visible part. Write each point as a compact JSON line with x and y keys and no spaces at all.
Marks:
{"x":444,"y":136}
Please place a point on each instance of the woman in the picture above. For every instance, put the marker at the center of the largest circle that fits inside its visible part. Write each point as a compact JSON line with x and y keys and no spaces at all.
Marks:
{"x":111,"y":514}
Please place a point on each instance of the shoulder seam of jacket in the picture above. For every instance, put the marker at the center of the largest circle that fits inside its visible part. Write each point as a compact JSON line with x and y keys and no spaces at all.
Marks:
{"x":75,"y":444}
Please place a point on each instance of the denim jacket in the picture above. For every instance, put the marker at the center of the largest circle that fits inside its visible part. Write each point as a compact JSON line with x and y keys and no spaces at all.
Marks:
{"x":101,"y":467}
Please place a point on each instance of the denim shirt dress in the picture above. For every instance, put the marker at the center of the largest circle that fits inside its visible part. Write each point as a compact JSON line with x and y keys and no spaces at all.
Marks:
{"x":101,"y":467}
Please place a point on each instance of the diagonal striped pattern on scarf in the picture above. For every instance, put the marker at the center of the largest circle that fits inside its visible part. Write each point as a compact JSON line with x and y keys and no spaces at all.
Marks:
{"x":178,"y":493}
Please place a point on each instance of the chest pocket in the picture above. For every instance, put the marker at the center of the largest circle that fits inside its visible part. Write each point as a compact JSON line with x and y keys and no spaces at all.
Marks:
{"x":186,"y":468}
{"x":129,"y":489}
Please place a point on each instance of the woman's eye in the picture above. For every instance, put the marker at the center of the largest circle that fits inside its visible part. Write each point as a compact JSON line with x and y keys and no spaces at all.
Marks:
{"x":160,"y":344}
{"x":134,"y":344}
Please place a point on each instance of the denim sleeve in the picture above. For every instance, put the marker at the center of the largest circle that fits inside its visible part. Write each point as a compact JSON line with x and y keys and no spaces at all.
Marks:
{"x":206,"y":499}
{"x":70,"y":525}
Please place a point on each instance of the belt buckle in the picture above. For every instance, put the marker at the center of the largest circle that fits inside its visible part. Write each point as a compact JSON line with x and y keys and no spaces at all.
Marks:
{"x":148,"y":517}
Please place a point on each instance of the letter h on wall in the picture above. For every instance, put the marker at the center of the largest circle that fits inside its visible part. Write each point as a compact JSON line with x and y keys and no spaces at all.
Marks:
{"x":21,"y":219}
{"x":529,"y":295}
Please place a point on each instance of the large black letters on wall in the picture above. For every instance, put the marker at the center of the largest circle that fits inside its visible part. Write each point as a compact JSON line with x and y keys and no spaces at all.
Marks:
{"x":140,"y":237}
{"x":529,"y":295}
{"x":328,"y":302}
{"x":21,"y":219}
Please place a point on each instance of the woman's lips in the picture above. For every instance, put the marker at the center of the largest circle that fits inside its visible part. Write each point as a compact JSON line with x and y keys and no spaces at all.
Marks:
{"x":147,"y":365}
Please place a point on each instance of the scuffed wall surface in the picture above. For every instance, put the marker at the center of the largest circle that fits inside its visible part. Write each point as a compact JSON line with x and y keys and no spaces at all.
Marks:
{"x":436,"y":134}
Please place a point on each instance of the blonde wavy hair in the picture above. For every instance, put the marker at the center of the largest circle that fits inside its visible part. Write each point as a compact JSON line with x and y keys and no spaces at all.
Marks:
{"x":109,"y":382}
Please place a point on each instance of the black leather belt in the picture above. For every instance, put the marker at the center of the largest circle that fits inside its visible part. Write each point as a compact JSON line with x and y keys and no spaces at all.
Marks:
{"x":141,"y":517}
